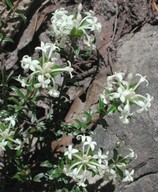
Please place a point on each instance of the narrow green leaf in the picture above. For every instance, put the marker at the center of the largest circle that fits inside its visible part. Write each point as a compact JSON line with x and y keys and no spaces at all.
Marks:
{"x":112,"y":109}
{"x":119,"y":172}
{"x":9,"y":3}
{"x":22,"y":15}
{"x":19,"y":92}
{"x":1,"y":36}
{"x":7,"y":39}
{"x":115,"y":154}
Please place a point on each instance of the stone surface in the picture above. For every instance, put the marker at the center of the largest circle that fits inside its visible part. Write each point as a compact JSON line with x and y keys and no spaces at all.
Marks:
{"x":137,"y":53}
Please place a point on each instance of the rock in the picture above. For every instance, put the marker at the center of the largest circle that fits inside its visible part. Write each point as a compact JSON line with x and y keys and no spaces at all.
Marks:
{"x":138,"y":54}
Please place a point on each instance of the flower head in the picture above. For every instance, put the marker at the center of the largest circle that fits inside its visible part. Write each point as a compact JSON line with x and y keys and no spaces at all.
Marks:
{"x":123,"y":93}
{"x":63,"y":24}
{"x":84,"y":162}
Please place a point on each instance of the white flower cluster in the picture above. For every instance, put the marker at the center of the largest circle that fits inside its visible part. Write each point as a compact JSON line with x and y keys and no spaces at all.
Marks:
{"x":7,"y":132}
{"x":124,"y":94}
{"x":80,"y":163}
{"x":64,"y":25}
{"x":44,"y":71}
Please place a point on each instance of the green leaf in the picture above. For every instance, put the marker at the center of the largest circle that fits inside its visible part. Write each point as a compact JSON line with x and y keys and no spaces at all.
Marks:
{"x":76,"y":33}
{"x":101,"y":104}
{"x":79,"y":122}
{"x":7,"y":39}
{"x":112,"y":109}
{"x":22,"y":14}
{"x":16,"y":176}
{"x":119,"y":172}
{"x":115,"y":154}
{"x":127,"y":161}
{"x":38,"y":177}
{"x":103,"y":122}
{"x":46,"y":164}
{"x":88,"y":116}
{"x":56,"y":173}
{"x":19,"y":92}
{"x":1,"y":36}
{"x":9,"y":3}
{"x":2,"y":126}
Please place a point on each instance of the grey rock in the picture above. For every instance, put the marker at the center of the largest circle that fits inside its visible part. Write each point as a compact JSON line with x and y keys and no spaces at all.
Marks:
{"x":137,"y":53}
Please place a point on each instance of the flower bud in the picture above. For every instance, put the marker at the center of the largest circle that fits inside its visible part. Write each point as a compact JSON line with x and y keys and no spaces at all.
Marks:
{"x":79,"y":7}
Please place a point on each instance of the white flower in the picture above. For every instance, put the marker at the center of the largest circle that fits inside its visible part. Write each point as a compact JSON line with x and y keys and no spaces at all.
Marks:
{"x":129,"y":78}
{"x":3,"y":143}
{"x":6,"y":134}
{"x":54,"y":93}
{"x":83,"y":138}
{"x":128,"y":176}
{"x":11,"y":120}
{"x":131,"y":154}
{"x":82,"y":178}
{"x":73,"y":173}
{"x":1,"y":165}
{"x":42,"y":82}
{"x":90,"y":22}
{"x":18,"y":142}
{"x":78,"y":177}
{"x":117,"y":76}
{"x":70,"y":151}
{"x":144,"y":103}
{"x":101,"y":157}
{"x":141,"y":80}
{"x":28,"y":63}
{"x":44,"y":47}
{"x":125,"y":113}
{"x":90,"y":143}
{"x":47,"y":49}
{"x":125,"y":94}
{"x":113,"y":80}
{"x":22,"y":81}
{"x":89,"y":42}
{"x":62,"y":24}
{"x":47,"y":67}
{"x":68,"y":69}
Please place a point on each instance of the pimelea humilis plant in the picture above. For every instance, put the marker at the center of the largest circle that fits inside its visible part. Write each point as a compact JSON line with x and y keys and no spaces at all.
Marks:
{"x":26,"y":135}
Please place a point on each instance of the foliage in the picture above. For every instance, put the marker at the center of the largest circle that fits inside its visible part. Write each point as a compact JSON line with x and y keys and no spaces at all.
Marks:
{"x":11,"y":9}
